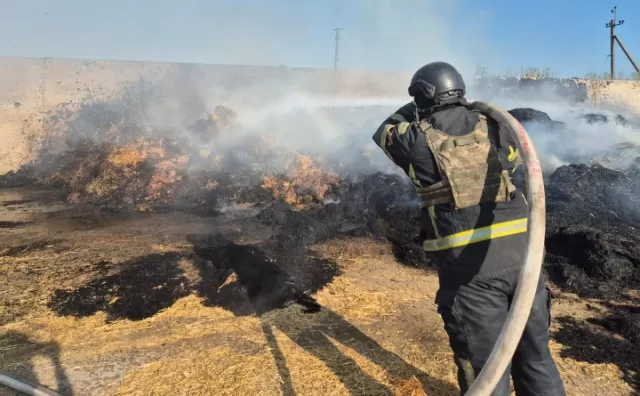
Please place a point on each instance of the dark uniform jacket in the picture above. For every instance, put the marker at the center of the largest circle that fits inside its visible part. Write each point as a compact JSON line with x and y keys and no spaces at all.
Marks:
{"x":487,"y":253}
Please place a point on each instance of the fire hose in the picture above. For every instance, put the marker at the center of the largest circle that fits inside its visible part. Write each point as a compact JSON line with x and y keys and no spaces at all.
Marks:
{"x":525,"y":292}
{"x":25,"y":388}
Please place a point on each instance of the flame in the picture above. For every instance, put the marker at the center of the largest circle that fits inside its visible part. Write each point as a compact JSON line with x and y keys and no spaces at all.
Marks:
{"x":303,"y":185}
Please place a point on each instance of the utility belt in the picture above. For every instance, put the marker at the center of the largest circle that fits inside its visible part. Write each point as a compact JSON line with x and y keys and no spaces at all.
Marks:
{"x":498,"y":189}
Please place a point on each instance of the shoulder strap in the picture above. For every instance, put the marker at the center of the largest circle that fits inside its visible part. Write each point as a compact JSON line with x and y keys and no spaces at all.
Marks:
{"x":482,"y":124}
{"x":425,"y":125}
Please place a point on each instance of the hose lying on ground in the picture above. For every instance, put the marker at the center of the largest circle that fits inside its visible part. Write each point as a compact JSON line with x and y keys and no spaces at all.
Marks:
{"x":24,"y":388}
{"x":525,"y":292}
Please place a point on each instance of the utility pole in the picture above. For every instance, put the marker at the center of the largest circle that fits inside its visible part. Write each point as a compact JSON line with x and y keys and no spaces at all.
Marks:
{"x":336,"y":56}
{"x":612,"y":40}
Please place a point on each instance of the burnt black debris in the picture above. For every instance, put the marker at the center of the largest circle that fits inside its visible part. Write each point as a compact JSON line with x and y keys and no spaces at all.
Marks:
{"x":105,"y":154}
{"x":593,"y":244}
{"x":12,"y":224}
{"x":526,"y":115}
{"x":268,"y":284}
{"x":593,"y":118}
{"x":598,"y":262}
{"x":592,"y":195}
{"x":55,"y":245}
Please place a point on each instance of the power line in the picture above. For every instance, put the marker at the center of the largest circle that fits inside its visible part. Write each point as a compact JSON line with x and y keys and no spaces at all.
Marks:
{"x":336,"y":56}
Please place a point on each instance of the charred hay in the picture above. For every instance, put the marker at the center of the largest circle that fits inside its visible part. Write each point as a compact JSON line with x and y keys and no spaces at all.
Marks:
{"x":593,"y":244}
{"x":114,"y":160}
{"x":593,"y":118}
{"x":527,"y":114}
{"x":592,"y":215}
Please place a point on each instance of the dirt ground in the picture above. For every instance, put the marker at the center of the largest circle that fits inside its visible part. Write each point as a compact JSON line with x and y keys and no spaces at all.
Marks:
{"x":378,"y":332}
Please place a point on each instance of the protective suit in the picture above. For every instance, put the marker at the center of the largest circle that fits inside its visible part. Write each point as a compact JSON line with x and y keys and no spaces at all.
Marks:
{"x":473,"y":226}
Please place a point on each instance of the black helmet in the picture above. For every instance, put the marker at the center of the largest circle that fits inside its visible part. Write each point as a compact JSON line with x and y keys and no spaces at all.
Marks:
{"x":433,"y":81}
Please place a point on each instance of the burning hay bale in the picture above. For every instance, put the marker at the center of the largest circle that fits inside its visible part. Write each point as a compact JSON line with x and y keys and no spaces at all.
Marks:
{"x":221,"y":119}
{"x":224,"y":117}
{"x":118,"y":176}
{"x":303,"y":185}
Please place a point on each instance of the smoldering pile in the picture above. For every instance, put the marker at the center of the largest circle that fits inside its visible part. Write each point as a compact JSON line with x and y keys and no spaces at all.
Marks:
{"x":120,"y":165}
{"x":113,"y":160}
{"x":593,"y":208}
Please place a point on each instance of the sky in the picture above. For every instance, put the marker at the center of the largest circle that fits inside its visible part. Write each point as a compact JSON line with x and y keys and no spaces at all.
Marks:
{"x":569,"y":36}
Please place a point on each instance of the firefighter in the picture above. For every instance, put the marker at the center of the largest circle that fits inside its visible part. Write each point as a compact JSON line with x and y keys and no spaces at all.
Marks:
{"x":473,"y":225}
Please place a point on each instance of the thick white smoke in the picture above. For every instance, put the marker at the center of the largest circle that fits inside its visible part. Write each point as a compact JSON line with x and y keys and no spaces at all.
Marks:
{"x":398,"y":35}
{"x":319,"y":124}
{"x":578,"y":141}
{"x":391,"y":35}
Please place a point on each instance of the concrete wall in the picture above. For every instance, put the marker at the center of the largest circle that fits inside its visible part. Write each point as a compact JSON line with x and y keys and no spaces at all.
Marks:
{"x":33,"y":89}
{"x":616,"y":94}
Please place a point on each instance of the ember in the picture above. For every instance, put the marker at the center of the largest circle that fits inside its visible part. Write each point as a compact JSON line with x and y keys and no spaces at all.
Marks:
{"x":303,"y":185}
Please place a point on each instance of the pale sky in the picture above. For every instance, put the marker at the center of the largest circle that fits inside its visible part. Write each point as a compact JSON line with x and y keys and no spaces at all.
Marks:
{"x":568,"y":35}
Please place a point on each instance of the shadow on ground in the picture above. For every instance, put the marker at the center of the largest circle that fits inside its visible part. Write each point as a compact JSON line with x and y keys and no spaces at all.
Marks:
{"x":268,"y":287}
{"x":315,"y":336}
{"x":273,"y":279}
{"x":135,"y":290}
{"x":614,"y":339}
{"x":244,"y":280}
{"x":26,"y":350}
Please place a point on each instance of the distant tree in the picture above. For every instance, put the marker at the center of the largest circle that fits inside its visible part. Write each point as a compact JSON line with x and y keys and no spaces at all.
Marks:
{"x":547,"y":72}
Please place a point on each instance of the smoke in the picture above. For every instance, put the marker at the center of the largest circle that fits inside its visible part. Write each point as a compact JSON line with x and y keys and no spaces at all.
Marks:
{"x":581,"y":139}
{"x":303,"y":113}
{"x":339,"y":128}
{"x":300,"y":112}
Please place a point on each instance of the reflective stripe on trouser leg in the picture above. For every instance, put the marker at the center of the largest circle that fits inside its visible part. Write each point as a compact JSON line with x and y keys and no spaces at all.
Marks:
{"x":468,"y":371}
{"x":464,"y":238}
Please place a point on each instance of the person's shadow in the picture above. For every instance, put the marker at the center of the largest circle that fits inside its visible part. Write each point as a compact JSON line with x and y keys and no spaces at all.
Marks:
{"x":13,"y":342}
{"x":269,"y":288}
